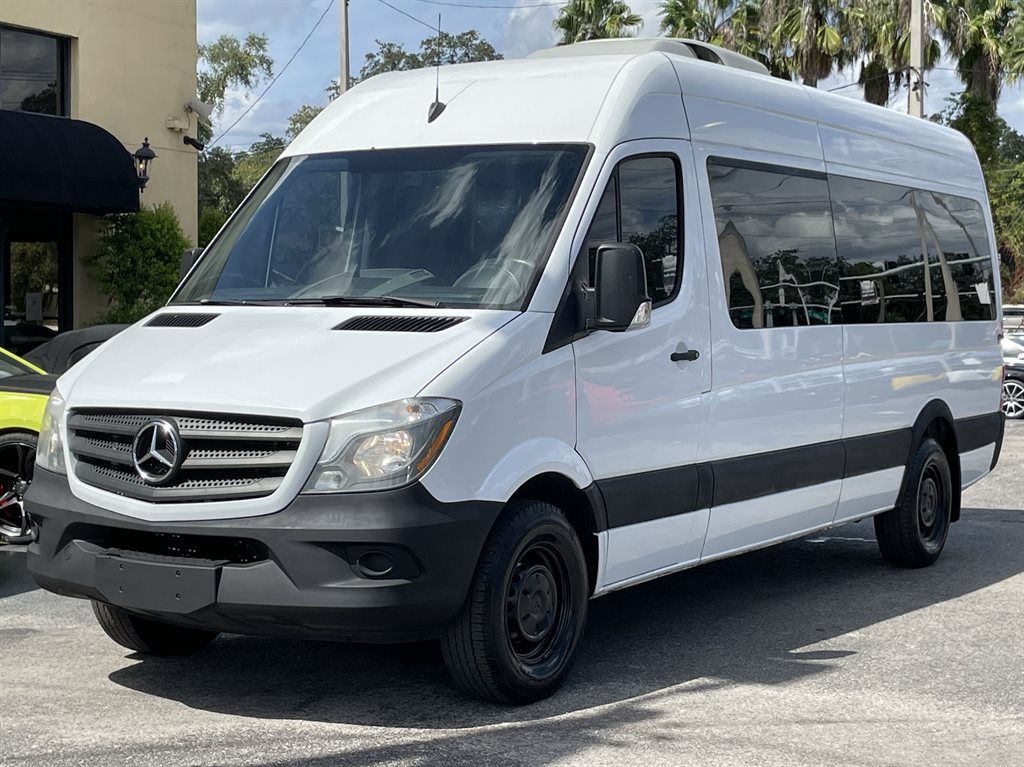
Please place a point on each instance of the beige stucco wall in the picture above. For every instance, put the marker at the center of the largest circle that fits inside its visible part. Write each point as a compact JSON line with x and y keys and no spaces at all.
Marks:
{"x":133,"y":65}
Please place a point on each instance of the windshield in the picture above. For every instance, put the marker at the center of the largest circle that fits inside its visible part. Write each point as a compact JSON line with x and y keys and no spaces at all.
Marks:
{"x":444,"y":226}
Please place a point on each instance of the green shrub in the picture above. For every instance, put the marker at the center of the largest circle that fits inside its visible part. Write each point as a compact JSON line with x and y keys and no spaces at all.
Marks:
{"x":210,"y":222}
{"x":137,"y":261}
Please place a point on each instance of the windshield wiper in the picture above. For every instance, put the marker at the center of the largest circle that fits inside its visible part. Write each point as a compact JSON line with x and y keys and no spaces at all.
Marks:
{"x":366,"y":301}
{"x":235,"y":302}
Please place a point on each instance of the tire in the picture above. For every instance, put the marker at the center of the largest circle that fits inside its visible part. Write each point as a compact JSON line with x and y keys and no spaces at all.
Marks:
{"x":1013,"y":398}
{"x":532,"y":561}
{"x":914,"y":532}
{"x":17,"y":462}
{"x":147,"y":636}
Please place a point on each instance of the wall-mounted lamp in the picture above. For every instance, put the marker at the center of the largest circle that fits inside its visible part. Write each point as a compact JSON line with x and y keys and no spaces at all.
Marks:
{"x":143,"y":157}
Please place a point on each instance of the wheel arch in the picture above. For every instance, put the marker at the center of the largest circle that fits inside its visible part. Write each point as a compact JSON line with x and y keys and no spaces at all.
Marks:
{"x":583,"y":507}
{"x":936,"y":421}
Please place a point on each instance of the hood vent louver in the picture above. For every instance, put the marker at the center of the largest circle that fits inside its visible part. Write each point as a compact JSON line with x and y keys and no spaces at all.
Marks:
{"x":183,"y":320}
{"x":400,"y":324}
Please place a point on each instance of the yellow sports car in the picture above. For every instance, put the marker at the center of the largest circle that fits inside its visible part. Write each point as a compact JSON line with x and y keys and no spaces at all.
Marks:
{"x":23,"y":392}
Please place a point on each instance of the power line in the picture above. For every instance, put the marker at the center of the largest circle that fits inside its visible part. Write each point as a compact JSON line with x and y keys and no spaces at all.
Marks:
{"x":274,"y":80}
{"x":431,"y":27}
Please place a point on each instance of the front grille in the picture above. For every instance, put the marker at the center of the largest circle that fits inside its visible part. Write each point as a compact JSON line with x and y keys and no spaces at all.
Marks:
{"x":224,"y":457}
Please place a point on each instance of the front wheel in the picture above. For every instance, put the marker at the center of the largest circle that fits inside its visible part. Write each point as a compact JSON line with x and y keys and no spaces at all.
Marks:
{"x":147,"y":636}
{"x":516,"y":637}
{"x":914,"y":533}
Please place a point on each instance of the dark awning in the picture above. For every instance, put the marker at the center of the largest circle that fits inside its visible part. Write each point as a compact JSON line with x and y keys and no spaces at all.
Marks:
{"x":56,"y":162}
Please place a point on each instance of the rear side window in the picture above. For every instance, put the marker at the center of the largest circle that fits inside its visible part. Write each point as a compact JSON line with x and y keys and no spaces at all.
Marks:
{"x":640,"y":205}
{"x":909,"y":255}
{"x":777,"y":246}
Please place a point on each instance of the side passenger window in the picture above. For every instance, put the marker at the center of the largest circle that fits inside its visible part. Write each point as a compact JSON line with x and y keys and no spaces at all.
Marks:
{"x":640,"y":205}
{"x":777,"y":245}
{"x":909,"y":255}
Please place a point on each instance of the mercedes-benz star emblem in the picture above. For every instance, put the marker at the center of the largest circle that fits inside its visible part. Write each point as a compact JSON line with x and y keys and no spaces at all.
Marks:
{"x":156,"y":451}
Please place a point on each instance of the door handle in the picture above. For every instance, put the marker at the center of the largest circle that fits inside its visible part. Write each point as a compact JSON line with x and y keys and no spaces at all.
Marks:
{"x":688,"y":356}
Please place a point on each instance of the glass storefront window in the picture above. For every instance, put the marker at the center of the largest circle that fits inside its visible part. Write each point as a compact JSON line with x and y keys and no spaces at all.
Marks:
{"x":32,"y":72}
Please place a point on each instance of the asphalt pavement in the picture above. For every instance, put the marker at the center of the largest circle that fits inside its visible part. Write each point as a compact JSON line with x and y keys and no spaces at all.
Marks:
{"x":810,"y":653}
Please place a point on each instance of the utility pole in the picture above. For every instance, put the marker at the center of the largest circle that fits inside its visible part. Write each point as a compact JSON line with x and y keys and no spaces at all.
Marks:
{"x":343,"y":41}
{"x":915,"y":105}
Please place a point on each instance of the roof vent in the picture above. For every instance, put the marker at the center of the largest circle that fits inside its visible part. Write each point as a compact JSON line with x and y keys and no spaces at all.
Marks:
{"x":182,"y":320}
{"x":400,"y":324}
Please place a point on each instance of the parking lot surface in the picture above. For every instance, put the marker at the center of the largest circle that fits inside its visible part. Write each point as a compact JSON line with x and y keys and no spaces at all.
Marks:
{"x":810,"y":653}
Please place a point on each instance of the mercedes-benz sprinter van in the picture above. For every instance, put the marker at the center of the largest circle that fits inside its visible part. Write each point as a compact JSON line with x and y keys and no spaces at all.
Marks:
{"x":453,"y":369}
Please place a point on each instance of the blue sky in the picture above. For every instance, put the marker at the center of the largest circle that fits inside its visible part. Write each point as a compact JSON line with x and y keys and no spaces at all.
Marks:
{"x":514,"y":31}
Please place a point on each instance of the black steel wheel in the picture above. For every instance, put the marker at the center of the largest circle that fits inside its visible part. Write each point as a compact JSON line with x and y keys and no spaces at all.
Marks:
{"x":17,"y":462}
{"x":516,"y":637}
{"x":913,"y":534}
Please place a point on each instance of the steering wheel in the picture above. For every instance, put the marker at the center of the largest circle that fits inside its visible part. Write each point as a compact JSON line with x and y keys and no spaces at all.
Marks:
{"x":495,"y":267}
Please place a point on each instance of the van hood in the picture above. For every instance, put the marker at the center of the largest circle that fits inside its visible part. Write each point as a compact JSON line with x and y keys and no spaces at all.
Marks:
{"x":272,"y":361}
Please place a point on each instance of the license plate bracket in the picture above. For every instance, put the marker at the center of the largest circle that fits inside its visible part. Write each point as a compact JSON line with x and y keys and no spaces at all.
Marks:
{"x":156,"y":585}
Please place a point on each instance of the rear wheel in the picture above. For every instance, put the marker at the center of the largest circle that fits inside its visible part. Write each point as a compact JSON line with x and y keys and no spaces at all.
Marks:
{"x":17,"y":462}
{"x":516,"y":637}
{"x":914,"y":533}
{"x":146,"y":636}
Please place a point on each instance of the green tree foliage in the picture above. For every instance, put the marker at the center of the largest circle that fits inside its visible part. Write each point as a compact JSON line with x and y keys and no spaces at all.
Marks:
{"x":580,"y":20}
{"x":219,"y":186}
{"x":812,"y":36}
{"x":731,"y":24}
{"x":463,"y":48}
{"x":210,"y":222}
{"x":1001,"y":153}
{"x":137,"y":260}
{"x":986,"y":40}
{"x":226,"y":63}
{"x":250,"y":166}
{"x":882,"y":37}
{"x":229,"y":62}
{"x":297,"y":122}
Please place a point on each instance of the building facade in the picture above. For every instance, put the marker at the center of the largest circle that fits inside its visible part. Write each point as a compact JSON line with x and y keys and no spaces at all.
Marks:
{"x":82,"y":84}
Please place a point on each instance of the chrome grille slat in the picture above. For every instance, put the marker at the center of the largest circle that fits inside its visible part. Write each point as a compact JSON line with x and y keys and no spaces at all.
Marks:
{"x":225,"y":457}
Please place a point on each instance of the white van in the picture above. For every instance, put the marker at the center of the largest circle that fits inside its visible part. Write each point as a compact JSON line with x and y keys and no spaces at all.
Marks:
{"x":596,"y":316}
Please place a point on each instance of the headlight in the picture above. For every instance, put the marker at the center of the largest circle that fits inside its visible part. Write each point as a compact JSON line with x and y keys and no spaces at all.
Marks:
{"x":50,"y":450}
{"x":383,"y":447}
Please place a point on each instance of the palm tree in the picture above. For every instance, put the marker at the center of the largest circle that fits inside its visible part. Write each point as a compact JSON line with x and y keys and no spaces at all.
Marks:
{"x":732,"y":24}
{"x":595,"y":19}
{"x":883,"y":39}
{"x":984,"y":37}
{"x":812,"y":35}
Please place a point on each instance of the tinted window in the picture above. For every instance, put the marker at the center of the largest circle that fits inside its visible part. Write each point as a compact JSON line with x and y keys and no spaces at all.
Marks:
{"x":882,"y":234}
{"x":31,"y":72}
{"x":777,"y":246}
{"x":959,"y":257}
{"x":647,"y":215}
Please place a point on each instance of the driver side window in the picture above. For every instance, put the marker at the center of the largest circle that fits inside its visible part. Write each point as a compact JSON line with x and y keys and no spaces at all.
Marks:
{"x":640,"y":205}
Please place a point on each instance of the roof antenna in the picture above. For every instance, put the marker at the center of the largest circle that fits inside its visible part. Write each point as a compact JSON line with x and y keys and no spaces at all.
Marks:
{"x":438,"y":106}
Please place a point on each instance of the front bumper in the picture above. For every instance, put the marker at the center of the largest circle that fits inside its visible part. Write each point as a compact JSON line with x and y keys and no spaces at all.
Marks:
{"x":315,"y":569}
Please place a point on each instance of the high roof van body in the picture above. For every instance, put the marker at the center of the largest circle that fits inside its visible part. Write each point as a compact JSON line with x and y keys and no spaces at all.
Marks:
{"x":606,"y":313}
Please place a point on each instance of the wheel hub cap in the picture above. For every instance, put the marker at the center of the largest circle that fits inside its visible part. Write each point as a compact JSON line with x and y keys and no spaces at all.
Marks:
{"x":536,"y":603}
{"x":927,"y":505}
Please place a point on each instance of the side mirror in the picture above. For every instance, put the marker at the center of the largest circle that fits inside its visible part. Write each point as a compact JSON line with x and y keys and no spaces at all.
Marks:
{"x":617,"y":298}
{"x":188,"y":260}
